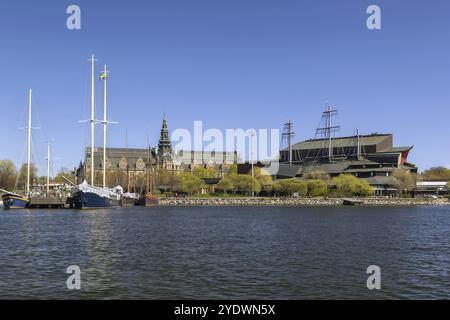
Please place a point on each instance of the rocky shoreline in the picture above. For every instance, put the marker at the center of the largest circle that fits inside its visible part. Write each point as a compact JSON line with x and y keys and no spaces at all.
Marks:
{"x":295,"y":202}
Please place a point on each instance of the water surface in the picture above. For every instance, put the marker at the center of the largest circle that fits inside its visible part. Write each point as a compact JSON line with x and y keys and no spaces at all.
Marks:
{"x":229,"y":253}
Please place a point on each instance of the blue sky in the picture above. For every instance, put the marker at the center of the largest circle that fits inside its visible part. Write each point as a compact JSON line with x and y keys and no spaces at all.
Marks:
{"x":231,"y":64}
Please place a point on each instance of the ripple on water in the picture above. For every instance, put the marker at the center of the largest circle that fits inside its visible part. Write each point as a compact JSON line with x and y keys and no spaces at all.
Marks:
{"x":230,"y":253}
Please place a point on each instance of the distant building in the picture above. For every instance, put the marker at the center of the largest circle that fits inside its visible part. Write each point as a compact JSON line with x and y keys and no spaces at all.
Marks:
{"x":437,"y":188}
{"x":373,"y":158}
{"x":136,"y":162}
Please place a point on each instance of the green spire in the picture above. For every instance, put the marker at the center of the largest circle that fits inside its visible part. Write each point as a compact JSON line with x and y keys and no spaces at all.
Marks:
{"x":164,"y":145}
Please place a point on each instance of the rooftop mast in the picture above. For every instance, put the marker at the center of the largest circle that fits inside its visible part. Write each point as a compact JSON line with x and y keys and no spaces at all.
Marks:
{"x":358,"y":145}
{"x":327,"y":131}
{"x":288,"y":135}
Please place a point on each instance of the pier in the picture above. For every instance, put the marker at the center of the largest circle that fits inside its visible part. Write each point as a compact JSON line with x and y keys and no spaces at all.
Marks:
{"x":49,"y":203}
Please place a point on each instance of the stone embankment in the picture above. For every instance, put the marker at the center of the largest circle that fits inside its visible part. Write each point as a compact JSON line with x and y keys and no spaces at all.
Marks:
{"x":293,"y":202}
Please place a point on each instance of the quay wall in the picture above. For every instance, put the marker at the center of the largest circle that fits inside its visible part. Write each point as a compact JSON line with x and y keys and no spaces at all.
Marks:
{"x":294,"y":202}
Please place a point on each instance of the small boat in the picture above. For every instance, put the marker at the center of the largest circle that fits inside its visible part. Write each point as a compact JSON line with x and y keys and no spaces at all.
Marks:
{"x":130,"y":199}
{"x":352,"y":202}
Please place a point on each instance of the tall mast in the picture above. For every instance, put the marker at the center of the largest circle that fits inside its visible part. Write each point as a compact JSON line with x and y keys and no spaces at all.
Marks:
{"x":92,"y":117}
{"x":104,"y":77}
{"x":128,"y":166}
{"x":29,"y":143}
{"x":48,"y":168}
{"x":149,"y":165}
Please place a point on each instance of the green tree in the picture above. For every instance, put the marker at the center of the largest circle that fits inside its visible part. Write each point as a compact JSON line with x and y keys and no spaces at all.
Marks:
{"x":265,"y":180}
{"x":437,"y":173}
{"x":349,"y":185}
{"x":191,"y":184}
{"x":8,"y":175}
{"x":245,"y":184}
{"x":226,"y":184}
{"x":407,"y":180}
{"x":166,"y":179}
{"x":203,"y":172}
{"x":290,"y":187}
{"x":317,"y":188}
{"x":233,"y":169}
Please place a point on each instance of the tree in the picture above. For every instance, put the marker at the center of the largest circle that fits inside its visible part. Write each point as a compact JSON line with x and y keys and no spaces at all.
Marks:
{"x":191,"y":184}
{"x":290,"y":187}
{"x":8,"y":175}
{"x":203,"y":172}
{"x":233,"y":169}
{"x":437,"y":173}
{"x":22,"y":180}
{"x":166,"y":179}
{"x":349,"y":185}
{"x":407,"y":180}
{"x":226,"y":184}
{"x":245,"y":183}
{"x":264,"y":179}
{"x":317,"y":188}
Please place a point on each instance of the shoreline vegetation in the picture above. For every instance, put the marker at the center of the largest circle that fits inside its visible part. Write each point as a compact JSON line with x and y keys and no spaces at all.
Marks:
{"x":297,"y":202}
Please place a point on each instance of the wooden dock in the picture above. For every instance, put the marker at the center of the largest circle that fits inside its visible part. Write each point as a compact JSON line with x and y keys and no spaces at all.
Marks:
{"x":48,"y":203}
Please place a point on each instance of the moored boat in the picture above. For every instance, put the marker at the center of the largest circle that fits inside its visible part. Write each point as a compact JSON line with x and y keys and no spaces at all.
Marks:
{"x":14,"y":201}
{"x":130,"y":199}
{"x":89,"y":197}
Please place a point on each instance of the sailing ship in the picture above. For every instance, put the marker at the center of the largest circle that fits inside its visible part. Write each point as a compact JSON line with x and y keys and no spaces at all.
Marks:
{"x":13,"y":200}
{"x":150,"y":199}
{"x":88,"y":196}
{"x":91,"y":197}
{"x":129,"y":198}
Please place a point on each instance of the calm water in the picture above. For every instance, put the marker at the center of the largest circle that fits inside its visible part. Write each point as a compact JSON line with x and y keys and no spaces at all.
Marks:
{"x":231,"y":253}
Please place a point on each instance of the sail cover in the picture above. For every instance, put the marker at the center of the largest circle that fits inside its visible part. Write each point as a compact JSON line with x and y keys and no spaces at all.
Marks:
{"x":102,"y":192}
